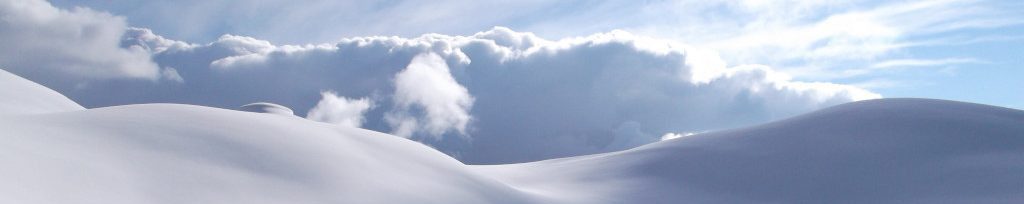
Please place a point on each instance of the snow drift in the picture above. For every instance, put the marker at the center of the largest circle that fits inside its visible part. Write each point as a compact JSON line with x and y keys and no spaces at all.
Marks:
{"x":878,"y":151}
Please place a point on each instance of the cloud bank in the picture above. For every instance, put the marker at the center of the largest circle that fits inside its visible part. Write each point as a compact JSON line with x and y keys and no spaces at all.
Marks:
{"x":496,"y":96}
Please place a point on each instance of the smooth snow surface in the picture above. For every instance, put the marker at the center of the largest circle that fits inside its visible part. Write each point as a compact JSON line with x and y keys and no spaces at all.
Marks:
{"x":879,"y":151}
{"x":164,"y":153}
{"x":21,"y":96}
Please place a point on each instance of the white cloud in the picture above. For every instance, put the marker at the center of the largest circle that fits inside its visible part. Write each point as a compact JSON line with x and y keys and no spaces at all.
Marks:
{"x":75,"y":45}
{"x":897,"y":63}
{"x":427,"y":85}
{"x":339,"y":110}
{"x":147,"y":40}
{"x":322,"y":21}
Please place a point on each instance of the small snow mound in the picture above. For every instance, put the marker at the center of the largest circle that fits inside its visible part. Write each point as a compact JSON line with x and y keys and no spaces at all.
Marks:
{"x":264,"y":107}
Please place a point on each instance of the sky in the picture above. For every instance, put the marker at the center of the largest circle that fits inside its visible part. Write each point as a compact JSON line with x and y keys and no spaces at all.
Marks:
{"x":513,"y":81}
{"x":959,"y":50}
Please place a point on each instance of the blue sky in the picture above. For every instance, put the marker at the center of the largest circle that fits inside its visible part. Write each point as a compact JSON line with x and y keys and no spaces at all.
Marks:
{"x":514,"y":81}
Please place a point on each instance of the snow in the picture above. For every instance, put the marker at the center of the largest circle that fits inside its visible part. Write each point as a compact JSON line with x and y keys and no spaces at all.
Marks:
{"x":167,"y":153}
{"x":21,"y":96}
{"x":878,"y":151}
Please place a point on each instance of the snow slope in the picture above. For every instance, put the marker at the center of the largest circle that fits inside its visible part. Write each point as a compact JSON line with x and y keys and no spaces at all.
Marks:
{"x":879,"y":151}
{"x":21,"y":96}
{"x":165,"y":153}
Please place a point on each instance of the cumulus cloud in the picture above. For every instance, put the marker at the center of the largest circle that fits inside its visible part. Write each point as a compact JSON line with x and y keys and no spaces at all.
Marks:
{"x":77,"y":44}
{"x":427,"y":86}
{"x":493,"y":97}
{"x":339,"y":110}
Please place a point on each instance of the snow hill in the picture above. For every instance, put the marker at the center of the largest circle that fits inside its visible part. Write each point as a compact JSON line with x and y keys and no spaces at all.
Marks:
{"x":879,"y":151}
{"x":21,"y":96}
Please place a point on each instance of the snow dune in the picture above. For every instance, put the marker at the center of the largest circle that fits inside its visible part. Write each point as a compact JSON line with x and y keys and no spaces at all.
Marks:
{"x":878,"y":151}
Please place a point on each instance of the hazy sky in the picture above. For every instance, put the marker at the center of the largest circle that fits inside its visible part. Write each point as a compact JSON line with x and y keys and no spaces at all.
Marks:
{"x":504,"y":81}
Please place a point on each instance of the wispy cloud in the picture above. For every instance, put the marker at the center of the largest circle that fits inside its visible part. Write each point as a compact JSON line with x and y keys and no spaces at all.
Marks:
{"x":898,"y":63}
{"x":881,"y":83}
{"x":965,"y":40}
{"x":817,"y":40}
